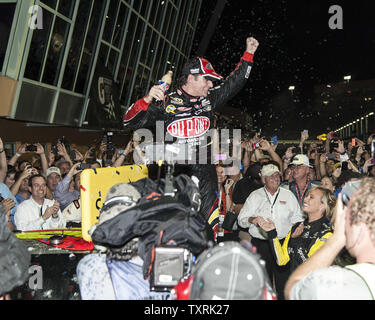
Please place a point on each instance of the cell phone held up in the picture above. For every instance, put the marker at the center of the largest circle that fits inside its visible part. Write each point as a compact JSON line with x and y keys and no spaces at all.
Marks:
{"x":83,"y":166}
{"x":331,"y":156}
{"x":31,"y":148}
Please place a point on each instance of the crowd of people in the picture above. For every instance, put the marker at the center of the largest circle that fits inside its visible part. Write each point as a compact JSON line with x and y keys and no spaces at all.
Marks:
{"x":38,"y":187}
{"x":307,"y":206}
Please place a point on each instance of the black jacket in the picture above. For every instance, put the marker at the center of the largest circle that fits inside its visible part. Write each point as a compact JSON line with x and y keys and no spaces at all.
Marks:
{"x":186,"y":117}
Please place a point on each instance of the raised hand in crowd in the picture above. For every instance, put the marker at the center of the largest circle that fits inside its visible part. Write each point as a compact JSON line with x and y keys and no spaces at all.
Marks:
{"x":20,"y":151}
{"x":304,"y":137}
{"x":87,"y":154}
{"x":340,"y":149}
{"x":102,"y":150}
{"x":26,"y":173}
{"x":79,"y":156}
{"x":287,"y":157}
{"x":43,"y":158}
{"x":370,"y":138}
{"x":8,"y":205}
{"x":368,"y":163}
{"x":74,"y":170}
{"x":61,"y":151}
{"x":121,"y":154}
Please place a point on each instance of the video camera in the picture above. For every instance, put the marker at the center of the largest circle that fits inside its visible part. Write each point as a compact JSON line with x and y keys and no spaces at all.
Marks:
{"x":171,"y":265}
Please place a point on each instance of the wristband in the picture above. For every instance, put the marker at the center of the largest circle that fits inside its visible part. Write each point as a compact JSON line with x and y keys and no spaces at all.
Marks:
{"x":17,"y":154}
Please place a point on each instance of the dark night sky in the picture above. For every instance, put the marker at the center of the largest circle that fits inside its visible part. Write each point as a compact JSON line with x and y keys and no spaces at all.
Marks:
{"x":297,"y":47}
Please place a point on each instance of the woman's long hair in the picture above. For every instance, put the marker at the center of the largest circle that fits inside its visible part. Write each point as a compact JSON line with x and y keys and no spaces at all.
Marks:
{"x":328,"y":199}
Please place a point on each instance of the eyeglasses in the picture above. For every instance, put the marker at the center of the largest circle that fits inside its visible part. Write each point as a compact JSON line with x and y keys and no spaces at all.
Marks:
{"x":297,"y":166}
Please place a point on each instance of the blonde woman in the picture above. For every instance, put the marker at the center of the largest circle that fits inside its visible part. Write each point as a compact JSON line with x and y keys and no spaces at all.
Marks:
{"x":304,"y":238}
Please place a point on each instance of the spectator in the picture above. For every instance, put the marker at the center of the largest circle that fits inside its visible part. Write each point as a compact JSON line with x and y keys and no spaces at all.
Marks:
{"x":301,"y":182}
{"x":10,"y":178}
{"x":276,"y":203}
{"x":249,"y":183}
{"x":38,"y":213}
{"x":63,"y":194}
{"x":65,"y":162}
{"x":326,"y":166}
{"x":5,"y":193}
{"x":53,"y":178}
{"x":64,"y":166}
{"x":354,"y":229}
{"x":21,"y":188}
{"x":312,"y":173}
{"x":225,"y":205}
{"x":327,"y":183}
{"x":288,"y":177}
{"x":304,"y":238}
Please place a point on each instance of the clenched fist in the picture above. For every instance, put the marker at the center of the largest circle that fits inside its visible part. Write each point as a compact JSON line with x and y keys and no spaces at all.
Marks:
{"x":251,"y":45}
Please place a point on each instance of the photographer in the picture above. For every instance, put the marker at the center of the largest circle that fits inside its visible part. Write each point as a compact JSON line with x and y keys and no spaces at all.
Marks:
{"x":96,"y":282}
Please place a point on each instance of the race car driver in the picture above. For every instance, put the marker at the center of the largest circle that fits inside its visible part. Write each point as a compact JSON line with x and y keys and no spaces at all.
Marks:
{"x":188,"y":116}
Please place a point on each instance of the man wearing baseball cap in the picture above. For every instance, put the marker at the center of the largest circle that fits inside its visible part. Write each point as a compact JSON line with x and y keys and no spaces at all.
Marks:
{"x":301,"y":182}
{"x":188,"y":115}
{"x":275,"y":203}
{"x":53,"y":178}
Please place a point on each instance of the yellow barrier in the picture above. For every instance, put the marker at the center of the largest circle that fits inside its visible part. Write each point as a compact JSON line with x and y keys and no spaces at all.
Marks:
{"x":95,"y":185}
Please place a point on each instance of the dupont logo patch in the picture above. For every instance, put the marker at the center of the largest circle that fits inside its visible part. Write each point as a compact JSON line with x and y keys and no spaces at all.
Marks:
{"x":189,"y":128}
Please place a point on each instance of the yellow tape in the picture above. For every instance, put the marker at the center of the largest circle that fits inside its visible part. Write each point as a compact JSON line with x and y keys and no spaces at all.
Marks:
{"x":46,"y":234}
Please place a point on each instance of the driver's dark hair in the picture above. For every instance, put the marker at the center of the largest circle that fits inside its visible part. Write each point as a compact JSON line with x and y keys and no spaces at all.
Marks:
{"x":191,"y":63}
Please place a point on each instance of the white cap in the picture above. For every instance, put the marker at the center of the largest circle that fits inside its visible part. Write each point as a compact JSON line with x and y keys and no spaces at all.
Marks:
{"x":301,"y":159}
{"x":269,"y":169}
{"x":53,"y":170}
